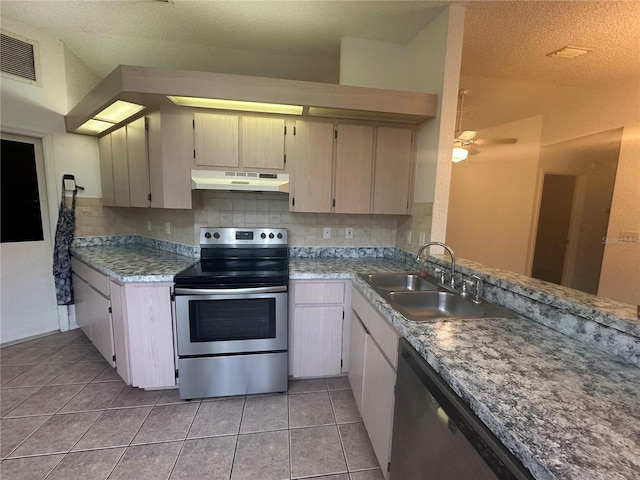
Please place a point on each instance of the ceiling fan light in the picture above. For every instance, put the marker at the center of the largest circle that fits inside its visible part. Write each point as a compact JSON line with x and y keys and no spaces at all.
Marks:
{"x":459,"y":154}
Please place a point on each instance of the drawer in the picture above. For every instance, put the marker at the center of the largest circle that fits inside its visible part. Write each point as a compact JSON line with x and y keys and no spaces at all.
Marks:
{"x":379,"y":328}
{"x":97,"y":280}
{"x":313,"y":293}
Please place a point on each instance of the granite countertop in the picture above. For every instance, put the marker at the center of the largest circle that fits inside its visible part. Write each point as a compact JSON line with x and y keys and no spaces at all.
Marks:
{"x":133,"y":262}
{"x":565,"y":409}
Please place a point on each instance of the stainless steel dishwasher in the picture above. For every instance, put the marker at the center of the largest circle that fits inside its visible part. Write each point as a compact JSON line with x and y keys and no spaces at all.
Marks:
{"x":436,"y":436}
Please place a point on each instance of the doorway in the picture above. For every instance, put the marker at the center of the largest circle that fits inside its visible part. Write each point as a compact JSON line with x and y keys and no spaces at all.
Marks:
{"x":28,"y":300}
{"x":554,"y":220}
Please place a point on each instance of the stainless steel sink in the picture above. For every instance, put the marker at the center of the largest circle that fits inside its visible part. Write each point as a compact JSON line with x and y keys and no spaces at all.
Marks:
{"x":425,"y":306}
{"x":398,"y":282}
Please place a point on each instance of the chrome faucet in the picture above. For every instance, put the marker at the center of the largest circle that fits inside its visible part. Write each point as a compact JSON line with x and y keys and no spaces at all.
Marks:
{"x":452,"y":281}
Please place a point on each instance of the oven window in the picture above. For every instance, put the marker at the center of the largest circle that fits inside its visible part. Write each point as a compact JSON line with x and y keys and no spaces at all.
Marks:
{"x":235,"y":319}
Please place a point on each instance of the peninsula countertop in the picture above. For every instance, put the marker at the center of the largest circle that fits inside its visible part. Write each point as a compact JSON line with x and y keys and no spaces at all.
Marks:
{"x":565,"y":409}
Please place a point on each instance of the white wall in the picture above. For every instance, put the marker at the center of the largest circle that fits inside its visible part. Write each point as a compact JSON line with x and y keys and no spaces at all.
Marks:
{"x":38,"y":111}
{"x":429,"y":63}
{"x":570,"y":113}
{"x":493,"y":198}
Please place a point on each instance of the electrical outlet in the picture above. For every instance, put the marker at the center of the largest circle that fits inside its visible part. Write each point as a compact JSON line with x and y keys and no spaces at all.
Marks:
{"x":167,"y":227}
{"x":148,"y":225}
{"x":348,"y":232}
{"x":409,"y":237}
{"x":326,"y":232}
{"x":422,"y":238}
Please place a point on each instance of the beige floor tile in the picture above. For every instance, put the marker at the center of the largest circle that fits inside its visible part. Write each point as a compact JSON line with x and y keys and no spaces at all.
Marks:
{"x":310,"y":409}
{"x":307,"y":385}
{"x":367,"y":475}
{"x":13,"y":431}
{"x":338,"y":383}
{"x":136,"y":397}
{"x":39,"y":375}
{"x":29,"y":468}
{"x":262,"y":455}
{"x":94,"y":396}
{"x":221,"y":417}
{"x":114,"y":428}
{"x":46,"y":401}
{"x":93,"y":464}
{"x":316,"y":451}
{"x":357,"y":447}
{"x":12,"y":397}
{"x":166,"y":422}
{"x":147,"y":462}
{"x":209,"y":458}
{"x":58,"y":434}
{"x":265,"y":413}
{"x":344,"y":406}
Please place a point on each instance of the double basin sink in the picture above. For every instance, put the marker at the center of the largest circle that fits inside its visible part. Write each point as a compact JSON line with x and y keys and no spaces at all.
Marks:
{"x":422,"y":300}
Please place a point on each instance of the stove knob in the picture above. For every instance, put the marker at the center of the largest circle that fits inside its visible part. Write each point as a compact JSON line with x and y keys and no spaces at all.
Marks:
{"x":263,"y":235}
{"x":279,"y":235}
{"x":271,"y":235}
{"x":216,"y":235}
{"x":207,"y":235}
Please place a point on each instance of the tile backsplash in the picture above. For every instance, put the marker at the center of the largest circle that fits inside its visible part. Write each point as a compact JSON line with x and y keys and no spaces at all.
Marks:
{"x":250,"y":209}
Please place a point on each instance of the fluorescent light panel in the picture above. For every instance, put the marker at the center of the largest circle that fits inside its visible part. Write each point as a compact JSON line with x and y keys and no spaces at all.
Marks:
{"x":118,"y":111}
{"x":94,"y":127}
{"x":236,"y":105}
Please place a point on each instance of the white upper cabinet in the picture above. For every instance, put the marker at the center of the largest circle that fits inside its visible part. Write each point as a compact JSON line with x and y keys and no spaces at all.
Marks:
{"x":392,"y":191}
{"x":312,"y":167}
{"x":138,"y":163}
{"x":232,"y":141}
{"x":262,"y":143}
{"x":354,"y":164}
{"x":216,"y":140}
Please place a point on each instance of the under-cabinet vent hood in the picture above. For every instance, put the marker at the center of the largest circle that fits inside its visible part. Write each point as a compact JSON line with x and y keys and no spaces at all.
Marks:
{"x":239,"y":181}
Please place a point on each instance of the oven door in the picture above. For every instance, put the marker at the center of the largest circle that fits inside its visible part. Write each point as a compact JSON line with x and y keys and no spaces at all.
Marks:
{"x":224,"y":321}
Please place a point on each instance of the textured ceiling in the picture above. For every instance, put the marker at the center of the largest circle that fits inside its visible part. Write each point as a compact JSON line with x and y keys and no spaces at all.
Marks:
{"x":301,"y":39}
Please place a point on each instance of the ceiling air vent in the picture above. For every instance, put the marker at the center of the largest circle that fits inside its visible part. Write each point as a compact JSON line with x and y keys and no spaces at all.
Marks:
{"x":19,"y":58}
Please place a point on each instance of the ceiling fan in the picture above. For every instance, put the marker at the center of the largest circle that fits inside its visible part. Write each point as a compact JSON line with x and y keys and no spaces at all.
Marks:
{"x":465,"y":142}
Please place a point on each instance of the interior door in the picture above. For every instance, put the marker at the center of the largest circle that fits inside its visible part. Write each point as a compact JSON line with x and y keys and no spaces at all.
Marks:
{"x":28,"y":299}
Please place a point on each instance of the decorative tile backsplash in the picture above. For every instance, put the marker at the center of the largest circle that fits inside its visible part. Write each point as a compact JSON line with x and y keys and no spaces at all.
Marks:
{"x":249,"y":209}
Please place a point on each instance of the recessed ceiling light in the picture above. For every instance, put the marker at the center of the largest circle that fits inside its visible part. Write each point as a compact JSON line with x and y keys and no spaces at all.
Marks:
{"x":569,"y":52}
{"x":118,"y":111}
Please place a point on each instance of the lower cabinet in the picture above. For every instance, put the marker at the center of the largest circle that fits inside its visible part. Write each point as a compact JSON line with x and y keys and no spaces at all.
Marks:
{"x":130,"y":325}
{"x":93,"y":315}
{"x":143,"y":333}
{"x":316,"y":328}
{"x":372,"y":374}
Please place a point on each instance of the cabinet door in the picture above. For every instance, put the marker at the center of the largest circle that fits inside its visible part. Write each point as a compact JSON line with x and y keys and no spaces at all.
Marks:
{"x":377,"y":402}
{"x":317,"y":341}
{"x":313,"y":157}
{"x":354,"y":165}
{"x":81,"y":299}
{"x":150,"y":333}
{"x":216,"y":140}
{"x":392,"y":187}
{"x":120,"y":167}
{"x":357,"y":348}
{"x":100,"y":320}
{"x":106,"y":171}
{"x":120,"y":338}
{"x":262,"y":143}
{"x":138,"y":163}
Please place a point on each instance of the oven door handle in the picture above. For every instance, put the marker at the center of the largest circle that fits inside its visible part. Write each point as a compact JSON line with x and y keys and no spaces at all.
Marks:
{"x":228,"y":291}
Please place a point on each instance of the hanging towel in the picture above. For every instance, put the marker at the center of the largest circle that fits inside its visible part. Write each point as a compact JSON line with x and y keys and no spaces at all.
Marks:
{"x":61,"y":255}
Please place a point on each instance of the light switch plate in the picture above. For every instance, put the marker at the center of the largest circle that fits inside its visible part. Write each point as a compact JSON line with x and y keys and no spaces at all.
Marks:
{"x":422,"y":238}
{"x":326,"y":232}
{"x":409,"y":237}
{"x":149,"y":225}
{"x":167,"y":227}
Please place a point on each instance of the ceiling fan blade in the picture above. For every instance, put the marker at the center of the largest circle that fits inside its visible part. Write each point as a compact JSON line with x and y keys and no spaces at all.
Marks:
{"x":494,"y":141}
{"x":473,"y":150}
{"x":467,"y":135}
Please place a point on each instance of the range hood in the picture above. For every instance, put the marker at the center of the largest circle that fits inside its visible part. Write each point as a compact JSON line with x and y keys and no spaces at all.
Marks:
{"x":239,"y":181}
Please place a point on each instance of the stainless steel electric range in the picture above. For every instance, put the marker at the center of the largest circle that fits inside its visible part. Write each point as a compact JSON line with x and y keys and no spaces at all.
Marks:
{"x":231,"y":314}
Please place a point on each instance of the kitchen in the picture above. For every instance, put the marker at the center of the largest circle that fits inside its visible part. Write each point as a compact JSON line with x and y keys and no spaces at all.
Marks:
{"x":379,"y":230}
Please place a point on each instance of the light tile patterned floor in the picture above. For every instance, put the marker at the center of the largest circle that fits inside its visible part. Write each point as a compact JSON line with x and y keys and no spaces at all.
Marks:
{"x":67,"y":415}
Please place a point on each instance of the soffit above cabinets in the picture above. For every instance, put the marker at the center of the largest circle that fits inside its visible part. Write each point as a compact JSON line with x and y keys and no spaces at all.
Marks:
{"x":150,"y":87}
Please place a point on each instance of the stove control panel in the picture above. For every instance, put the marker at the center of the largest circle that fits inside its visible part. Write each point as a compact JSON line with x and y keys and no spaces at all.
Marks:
{"x":211,"y":236}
